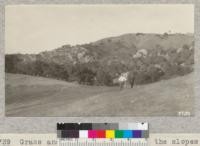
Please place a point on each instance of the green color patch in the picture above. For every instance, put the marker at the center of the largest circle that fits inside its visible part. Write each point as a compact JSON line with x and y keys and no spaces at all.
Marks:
{"x":118,"y":133}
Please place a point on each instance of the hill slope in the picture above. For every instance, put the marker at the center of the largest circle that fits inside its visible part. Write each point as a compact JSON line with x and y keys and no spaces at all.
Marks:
{"x":37,"y":96}
{"x":120,"y":47}
{"x":100,"y":62}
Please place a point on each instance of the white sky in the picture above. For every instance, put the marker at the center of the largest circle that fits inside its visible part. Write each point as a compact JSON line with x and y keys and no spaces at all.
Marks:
{"x":36,"y":28}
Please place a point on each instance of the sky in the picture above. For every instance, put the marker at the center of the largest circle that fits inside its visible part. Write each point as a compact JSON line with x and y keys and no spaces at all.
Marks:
{"x":36,"y":28}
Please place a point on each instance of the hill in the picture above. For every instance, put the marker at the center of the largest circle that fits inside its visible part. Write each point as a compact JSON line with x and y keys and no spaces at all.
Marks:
{"x":98,"y":63}
{"x":38,"y":96}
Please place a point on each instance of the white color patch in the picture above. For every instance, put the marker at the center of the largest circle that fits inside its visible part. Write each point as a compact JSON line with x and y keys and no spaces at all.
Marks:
{"x":83,"y":134}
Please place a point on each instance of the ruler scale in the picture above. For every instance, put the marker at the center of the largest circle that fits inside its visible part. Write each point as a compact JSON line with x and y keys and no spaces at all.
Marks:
{"x":102,"y":134}
{"x":103,"y":143}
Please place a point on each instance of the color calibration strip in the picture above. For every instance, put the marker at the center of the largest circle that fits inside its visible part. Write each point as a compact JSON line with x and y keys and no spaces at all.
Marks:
{"x":102,"y":130}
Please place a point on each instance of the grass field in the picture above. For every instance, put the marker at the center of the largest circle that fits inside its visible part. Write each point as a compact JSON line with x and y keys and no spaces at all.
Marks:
{"x":36,"y":96}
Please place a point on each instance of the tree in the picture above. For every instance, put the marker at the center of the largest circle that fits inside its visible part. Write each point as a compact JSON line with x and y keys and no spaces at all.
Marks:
{"x":103,"y":77}
{"x":85,"y":74}
{"x":155,"y":73}
{"x":11,"y":62}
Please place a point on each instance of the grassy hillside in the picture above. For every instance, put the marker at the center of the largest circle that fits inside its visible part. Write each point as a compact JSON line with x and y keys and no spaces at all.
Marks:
{"x":148,"y":40}
{"x":37,"y":96}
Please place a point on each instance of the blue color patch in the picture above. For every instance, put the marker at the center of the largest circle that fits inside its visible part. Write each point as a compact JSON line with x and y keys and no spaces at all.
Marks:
{"x":127,"y":134}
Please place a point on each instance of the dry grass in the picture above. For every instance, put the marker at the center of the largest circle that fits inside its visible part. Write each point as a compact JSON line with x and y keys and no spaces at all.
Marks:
{"x":37,"y":96}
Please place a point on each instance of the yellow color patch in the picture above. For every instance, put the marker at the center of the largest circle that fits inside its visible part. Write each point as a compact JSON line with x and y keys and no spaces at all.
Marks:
{"x":110,"y":134}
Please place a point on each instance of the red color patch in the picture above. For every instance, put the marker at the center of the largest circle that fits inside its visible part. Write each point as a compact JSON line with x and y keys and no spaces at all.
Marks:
{"x":101,"y":134}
